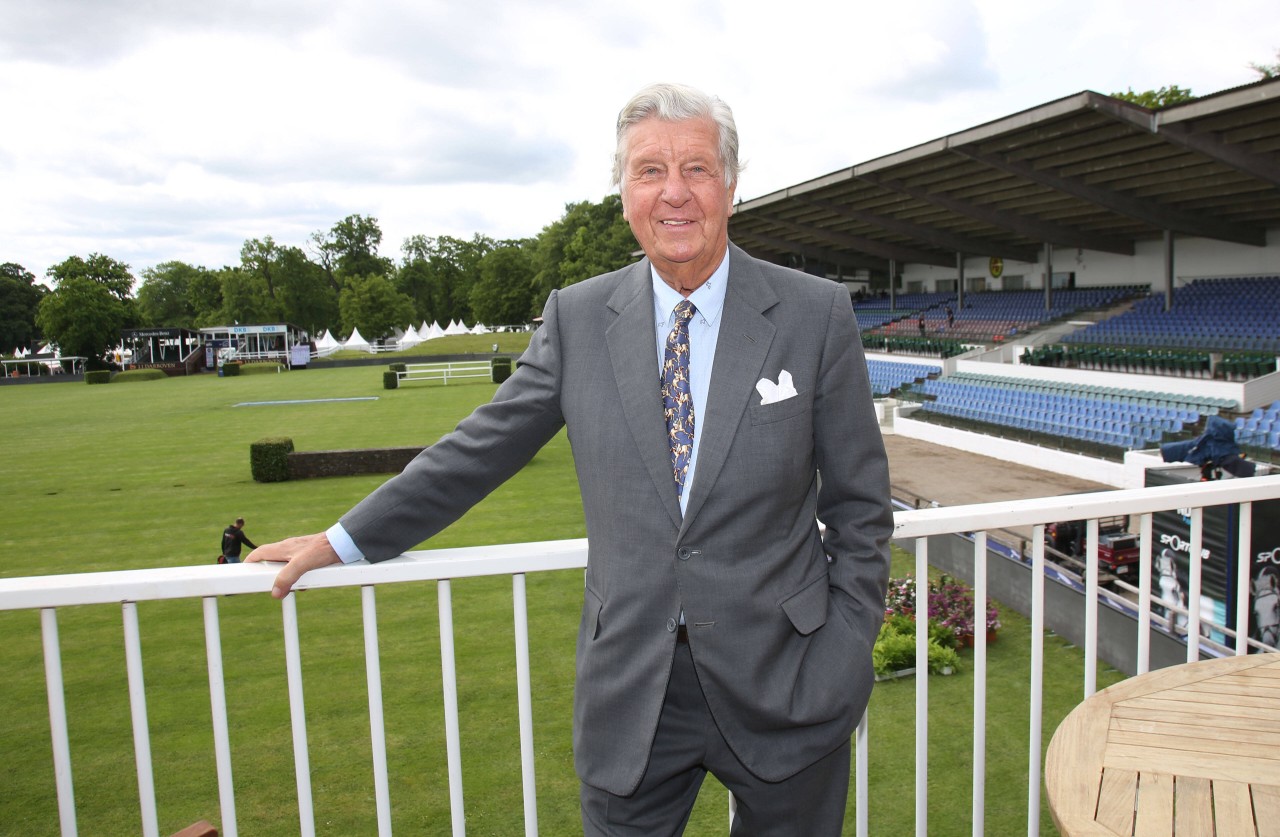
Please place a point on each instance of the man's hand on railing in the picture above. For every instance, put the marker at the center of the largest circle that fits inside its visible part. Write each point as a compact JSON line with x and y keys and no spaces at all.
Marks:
{"x":300,"y":554}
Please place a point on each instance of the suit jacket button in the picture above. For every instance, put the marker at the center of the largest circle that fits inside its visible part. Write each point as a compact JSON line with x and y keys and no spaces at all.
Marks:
{"x":671,"y":625}
{"x":684,"y":552}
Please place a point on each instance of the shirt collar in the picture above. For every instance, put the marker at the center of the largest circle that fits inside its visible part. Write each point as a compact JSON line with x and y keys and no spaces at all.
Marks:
{"x":708,"y":298}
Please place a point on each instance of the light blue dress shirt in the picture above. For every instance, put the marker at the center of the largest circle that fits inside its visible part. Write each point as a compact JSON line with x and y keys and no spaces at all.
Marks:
{"x":704,"y":332}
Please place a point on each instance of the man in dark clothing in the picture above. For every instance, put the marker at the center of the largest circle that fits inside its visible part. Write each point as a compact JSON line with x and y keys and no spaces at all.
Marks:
{"x":233,"y":537}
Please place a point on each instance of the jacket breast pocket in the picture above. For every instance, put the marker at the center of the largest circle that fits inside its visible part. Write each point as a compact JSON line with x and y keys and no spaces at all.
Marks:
{"x":780,"y":410}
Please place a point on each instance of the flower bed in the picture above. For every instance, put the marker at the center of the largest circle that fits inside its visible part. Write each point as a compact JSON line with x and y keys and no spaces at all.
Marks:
{"x":951,"y":624}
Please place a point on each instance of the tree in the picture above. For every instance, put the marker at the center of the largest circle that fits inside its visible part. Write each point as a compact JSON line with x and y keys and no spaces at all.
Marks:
{"x":350,"y":248}
{"x":245,"y":299}
{"x":373,"y":305}
{"x":108,"y":272}
{"x":84,"y":318}
{"x":589,"y":239}
{"x":257,"y":257}
{"x":1156,"y":99}
{"x":305,"y":296}
{"x":437,"y":274}
{"x":166,"y":296}
{"x":19,"y":300}
{"x":503,"y":295}
{"x":1266,"y":71}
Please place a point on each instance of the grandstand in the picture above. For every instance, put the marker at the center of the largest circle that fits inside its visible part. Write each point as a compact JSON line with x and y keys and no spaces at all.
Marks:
{"x":1091,"y":278}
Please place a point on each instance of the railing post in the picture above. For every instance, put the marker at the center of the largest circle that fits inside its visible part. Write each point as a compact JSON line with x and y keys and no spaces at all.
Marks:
{"x":452,"y":737}
{"x":922,"y":691}
{"x":377,"y":726}
{"x":298,"y":716}
{"x":138,"y":711}
{"x":1244,"y":577}
{"x":218,"y":711}
{"x":58,"y":721}
{"x":979,"y":683}
{"x":1037,"y":680}
{"x":1091,"y":608}
{"x":1143,"y":663}
{"x":1193,"y":594}
{"x":524,"y":696}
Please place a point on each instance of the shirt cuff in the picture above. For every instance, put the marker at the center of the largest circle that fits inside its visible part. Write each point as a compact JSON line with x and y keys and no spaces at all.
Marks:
{"x":342,"y":544}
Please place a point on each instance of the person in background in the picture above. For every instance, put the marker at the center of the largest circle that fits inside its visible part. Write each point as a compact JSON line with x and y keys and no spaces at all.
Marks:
{"x":718,"y":407}
{"x":233,"y":540}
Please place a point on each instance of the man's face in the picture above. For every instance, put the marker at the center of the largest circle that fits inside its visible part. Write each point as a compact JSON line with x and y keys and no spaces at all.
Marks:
{"x":675,"y":198}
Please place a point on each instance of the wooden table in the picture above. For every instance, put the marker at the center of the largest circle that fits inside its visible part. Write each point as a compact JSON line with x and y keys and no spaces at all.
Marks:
{"x":1192,"y":751}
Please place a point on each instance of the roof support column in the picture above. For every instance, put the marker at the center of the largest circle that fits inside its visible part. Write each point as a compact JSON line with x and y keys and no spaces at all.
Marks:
{"x":1048,"y":276}
{"x":959,"y":279}
{"x":1168,"y":269}
{"x":893,"y":284}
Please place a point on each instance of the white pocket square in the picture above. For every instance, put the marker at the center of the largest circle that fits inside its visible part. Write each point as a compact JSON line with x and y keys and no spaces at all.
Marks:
{"x":771,"y":392}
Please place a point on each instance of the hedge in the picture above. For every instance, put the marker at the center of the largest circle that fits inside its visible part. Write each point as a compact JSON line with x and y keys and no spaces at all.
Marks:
{"x":98,"y":376}
{"x":501,"y":369}
{"x":390,"y":380}
{"x":230,"y":370}
{"x":269,"y":459}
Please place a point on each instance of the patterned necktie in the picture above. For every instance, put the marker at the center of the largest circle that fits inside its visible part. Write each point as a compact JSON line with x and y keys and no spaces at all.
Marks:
{"x":677,"y":399}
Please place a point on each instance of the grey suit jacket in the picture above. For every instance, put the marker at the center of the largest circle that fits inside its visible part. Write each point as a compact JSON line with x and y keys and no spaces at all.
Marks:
{"x":781,"y":621}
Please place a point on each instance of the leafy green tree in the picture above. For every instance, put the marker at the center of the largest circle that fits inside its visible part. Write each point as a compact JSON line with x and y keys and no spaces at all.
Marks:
{"x":350,"y":248}
{"x":205,"y":295}
{"x":1156,"y":99}
{"x":245,"y":299}
{"x":108,"y":272}
{"x":257,"y":258}
{"x":305,"y":295}
{"x":166,"y":298}
{"x":589,"y":239}
{"x":19,"y":300}
{"x":503,"y":295}
{"x":373,"y":305}
{"x":1266,"y":71}
{"x":438,"y":273}
{"x":84,"y":318}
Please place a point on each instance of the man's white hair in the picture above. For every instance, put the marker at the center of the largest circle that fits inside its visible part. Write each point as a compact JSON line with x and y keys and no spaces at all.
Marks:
{"x":675,"y":103}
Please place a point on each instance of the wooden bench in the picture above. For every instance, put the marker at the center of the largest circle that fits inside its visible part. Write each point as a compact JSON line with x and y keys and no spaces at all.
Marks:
{"x":445,"y":372}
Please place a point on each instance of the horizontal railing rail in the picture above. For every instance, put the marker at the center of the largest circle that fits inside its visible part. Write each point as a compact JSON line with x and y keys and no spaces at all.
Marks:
{"x":209,"y":582}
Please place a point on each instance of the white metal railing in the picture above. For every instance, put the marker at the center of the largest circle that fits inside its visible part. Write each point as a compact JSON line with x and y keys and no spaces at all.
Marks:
{"x":208,"y":582}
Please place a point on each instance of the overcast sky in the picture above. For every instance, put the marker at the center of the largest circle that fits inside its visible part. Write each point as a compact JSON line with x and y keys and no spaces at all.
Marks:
{"x":176,"y":130}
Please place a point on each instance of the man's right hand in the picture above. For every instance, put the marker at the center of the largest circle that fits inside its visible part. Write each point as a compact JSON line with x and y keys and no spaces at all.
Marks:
{"x":307,"y":552}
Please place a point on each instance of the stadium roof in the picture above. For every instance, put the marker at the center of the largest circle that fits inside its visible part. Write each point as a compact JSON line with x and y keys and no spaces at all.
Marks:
{"x":1087,"y":171}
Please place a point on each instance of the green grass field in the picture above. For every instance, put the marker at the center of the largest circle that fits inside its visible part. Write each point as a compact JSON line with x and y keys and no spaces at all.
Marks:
{"x":147,"y":474}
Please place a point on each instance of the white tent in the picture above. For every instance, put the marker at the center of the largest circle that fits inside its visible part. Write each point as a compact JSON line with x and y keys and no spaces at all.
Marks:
{"x":423,"y":329}
{"x":456,"y":327}
{"x":434,"y":331}
{"x":356,"y":342}
{"x":410,"y":338}
{"x":480,"y":328}
{"x":327,"y":345}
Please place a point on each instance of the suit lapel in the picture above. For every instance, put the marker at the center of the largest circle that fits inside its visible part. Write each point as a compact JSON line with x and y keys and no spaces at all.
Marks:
{"x":741,"y":348}
{"x":633,"y":353}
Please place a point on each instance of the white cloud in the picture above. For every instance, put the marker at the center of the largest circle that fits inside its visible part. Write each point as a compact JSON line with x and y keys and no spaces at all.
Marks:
{"x":177,"y":130}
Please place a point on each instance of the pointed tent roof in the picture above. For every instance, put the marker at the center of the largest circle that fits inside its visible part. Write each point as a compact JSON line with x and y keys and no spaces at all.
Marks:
{"x":479,"y":328}
{"x":434,"y":331}
{"x":456,"y":327}
{"x":410,"y":338}
{"x":355,"y":341}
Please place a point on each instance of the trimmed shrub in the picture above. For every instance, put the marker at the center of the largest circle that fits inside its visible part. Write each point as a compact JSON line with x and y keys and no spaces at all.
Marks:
{"x":501,"y":369}
{"x":390,"y":380}
{"x":398,"y":367}
{"x":269,"y":459}
{"x":230,"y":370}
{"x":262,"y":368}
{"x":139,"y":375}
{"x":99,"y":376}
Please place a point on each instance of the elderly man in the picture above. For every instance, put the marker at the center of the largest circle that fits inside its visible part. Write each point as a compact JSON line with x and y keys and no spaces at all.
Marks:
{"x":718,"y":407}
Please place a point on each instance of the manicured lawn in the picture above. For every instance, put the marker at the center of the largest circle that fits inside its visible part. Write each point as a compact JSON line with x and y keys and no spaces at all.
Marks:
{"x":147,"y":475}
